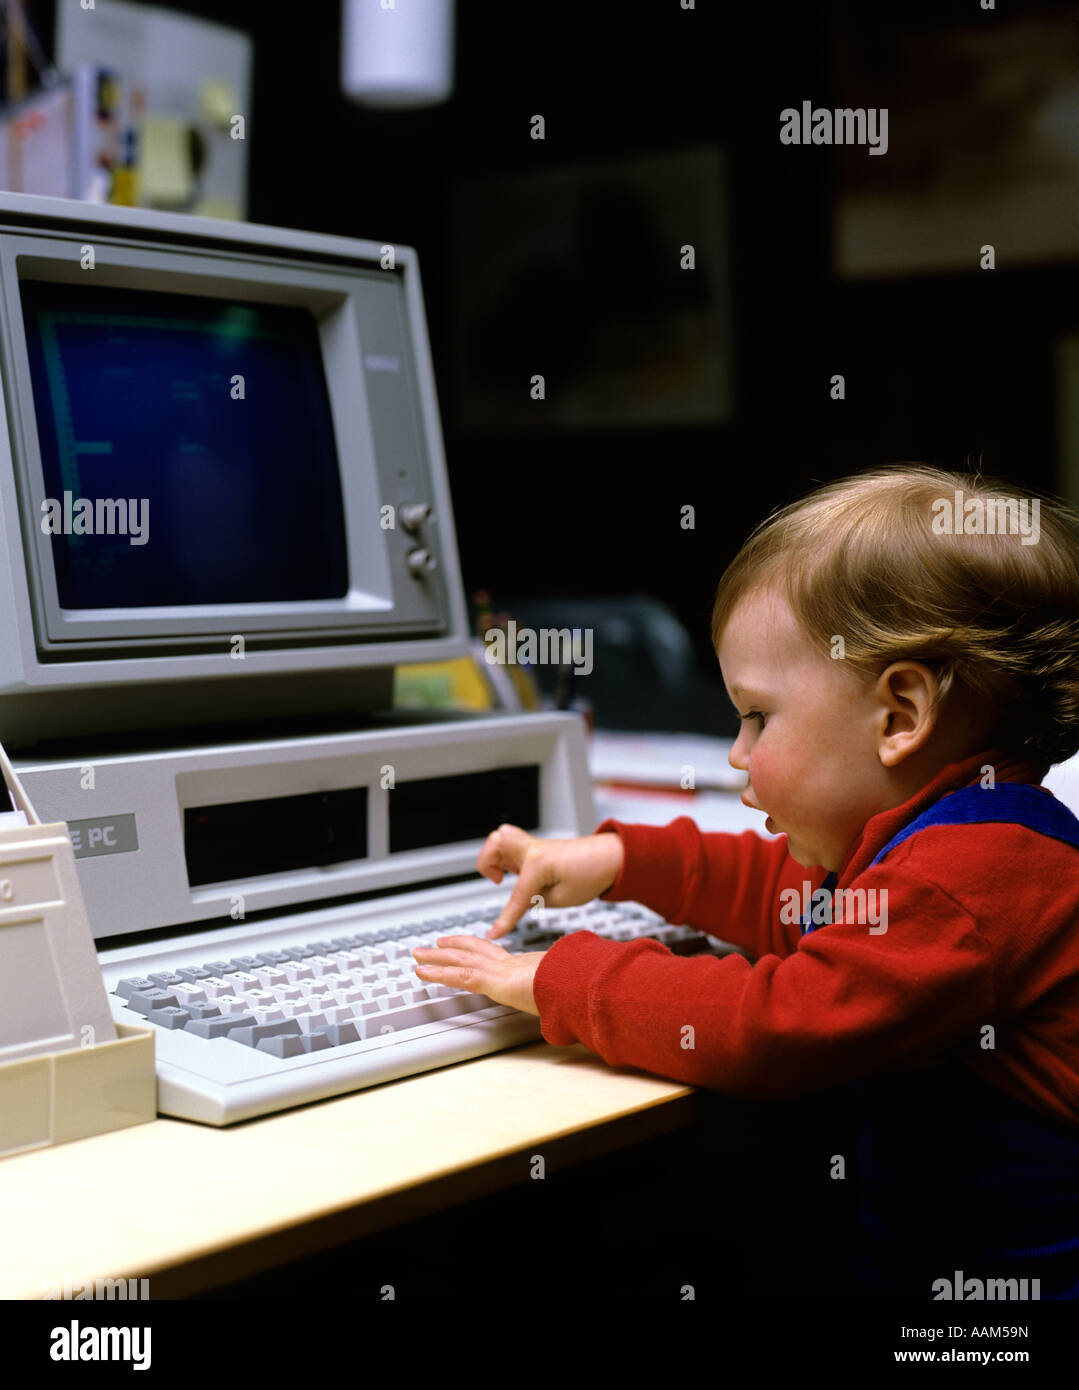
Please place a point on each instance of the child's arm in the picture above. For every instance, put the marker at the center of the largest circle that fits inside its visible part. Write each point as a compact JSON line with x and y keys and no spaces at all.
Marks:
{"x":847,"y":1002}
{"x":729,"y":885}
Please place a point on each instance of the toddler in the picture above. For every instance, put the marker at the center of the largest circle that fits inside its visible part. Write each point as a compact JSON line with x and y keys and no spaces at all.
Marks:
{"x":902,"y":648}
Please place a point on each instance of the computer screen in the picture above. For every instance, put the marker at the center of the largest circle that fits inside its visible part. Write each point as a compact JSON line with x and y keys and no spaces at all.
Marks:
{"x":198,"y":431}
{"x":222,"y":483}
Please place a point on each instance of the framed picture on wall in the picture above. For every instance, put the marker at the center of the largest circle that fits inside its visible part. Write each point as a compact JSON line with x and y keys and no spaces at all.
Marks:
{"x":609,"y":281}
{"x":983,"y":144}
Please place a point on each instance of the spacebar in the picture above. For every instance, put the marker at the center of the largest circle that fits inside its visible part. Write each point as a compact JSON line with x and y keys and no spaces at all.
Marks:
{"x":413,"y":1015}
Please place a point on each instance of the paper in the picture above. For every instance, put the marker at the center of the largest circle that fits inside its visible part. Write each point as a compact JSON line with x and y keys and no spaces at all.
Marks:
{"x":167,"y":178}
{"x":680,"y":761}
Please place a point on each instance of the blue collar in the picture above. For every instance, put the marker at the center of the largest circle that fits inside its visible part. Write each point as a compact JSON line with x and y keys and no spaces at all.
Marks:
{"x":1017,"y":803}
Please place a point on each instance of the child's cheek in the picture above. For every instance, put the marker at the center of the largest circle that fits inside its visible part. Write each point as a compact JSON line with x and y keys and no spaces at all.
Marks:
{"x":773,"y":777}
{"x":762,"y":774}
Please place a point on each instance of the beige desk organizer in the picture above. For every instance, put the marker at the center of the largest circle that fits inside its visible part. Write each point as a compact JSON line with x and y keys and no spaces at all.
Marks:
{"x":66,"y":1070}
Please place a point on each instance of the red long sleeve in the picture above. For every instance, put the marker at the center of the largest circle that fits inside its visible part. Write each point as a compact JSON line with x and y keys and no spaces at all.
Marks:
{"x":982,"y":929}
{"x":727,"y":885}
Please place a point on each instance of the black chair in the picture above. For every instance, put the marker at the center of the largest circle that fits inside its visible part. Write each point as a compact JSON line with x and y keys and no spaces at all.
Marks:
{"x":644,"y":672}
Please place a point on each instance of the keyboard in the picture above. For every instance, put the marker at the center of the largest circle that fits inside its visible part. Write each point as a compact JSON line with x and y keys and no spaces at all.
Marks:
{"x":287,"y":1016}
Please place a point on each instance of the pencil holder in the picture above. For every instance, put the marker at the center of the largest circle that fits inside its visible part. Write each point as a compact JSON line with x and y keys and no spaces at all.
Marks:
{"x":55,"y":1097}
{"x":67,"y":1071}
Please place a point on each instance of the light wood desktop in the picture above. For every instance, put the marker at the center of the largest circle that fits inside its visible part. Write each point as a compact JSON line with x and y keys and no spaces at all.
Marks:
{"x":191,"y":1207}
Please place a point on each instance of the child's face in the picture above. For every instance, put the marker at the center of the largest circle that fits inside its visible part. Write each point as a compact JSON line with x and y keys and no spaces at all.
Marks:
{"x":813,"y":766}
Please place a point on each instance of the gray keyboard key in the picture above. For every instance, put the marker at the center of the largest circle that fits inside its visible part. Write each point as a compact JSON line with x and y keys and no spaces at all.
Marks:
{"x":331,"y":1035}
{"x":253,"y":1035}
{"x":193,"y":974}
{"x":164,"y":978}
{"x":171,"y":1017}
{"x":134,"y":984}
{"x":341,"y":1033}
{"x":144,"y":1000}
{"x":282,"y":1045}
{"x":217,"y":1027}
{"x":206,"y":1010}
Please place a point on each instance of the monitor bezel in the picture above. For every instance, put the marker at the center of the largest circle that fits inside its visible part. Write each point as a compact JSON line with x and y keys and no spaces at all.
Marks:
{"x":331,"y":294}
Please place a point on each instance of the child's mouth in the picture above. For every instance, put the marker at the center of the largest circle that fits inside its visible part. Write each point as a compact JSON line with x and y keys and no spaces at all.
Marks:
{"x":770,"y":826}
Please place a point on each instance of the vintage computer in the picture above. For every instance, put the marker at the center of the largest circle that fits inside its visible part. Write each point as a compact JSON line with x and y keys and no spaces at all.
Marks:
{"x":224,"y":520}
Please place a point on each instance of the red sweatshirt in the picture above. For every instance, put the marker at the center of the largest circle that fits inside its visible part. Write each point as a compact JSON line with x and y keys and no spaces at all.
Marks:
{"x":982,"y":928}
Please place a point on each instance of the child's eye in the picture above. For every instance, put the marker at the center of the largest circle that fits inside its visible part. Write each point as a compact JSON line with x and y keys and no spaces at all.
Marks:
{"x":755,"y":714}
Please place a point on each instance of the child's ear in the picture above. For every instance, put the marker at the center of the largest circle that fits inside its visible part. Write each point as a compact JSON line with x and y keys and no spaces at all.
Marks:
{"x":906,"y":715}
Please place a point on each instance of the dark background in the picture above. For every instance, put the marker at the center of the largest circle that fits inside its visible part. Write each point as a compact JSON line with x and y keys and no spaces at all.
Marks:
{"x":953,"y":369}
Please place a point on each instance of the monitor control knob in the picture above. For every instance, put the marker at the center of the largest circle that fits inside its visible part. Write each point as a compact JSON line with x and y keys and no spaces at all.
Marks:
{"x":414,"y":515}
{"x":421,"y":562}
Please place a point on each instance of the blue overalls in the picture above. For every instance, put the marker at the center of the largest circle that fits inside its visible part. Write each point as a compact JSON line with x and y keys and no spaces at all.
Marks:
{"x":955,"y":1173}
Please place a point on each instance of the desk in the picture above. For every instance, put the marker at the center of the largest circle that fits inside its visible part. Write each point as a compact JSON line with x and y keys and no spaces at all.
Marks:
{"x":712,"y":811}
{"x":191,"y":1207}
{"x":724,"y":811}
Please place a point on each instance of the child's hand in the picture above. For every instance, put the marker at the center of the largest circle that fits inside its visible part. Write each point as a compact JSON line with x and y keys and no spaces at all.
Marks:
{"x":563,"y":873}
{"x":472,"y":963}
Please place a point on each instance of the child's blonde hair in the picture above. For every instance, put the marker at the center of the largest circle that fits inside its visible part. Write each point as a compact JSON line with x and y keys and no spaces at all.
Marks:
{"x":861,"y":560}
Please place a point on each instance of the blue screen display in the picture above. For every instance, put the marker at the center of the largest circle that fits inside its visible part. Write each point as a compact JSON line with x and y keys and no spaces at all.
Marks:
{"x":187,"y":446}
